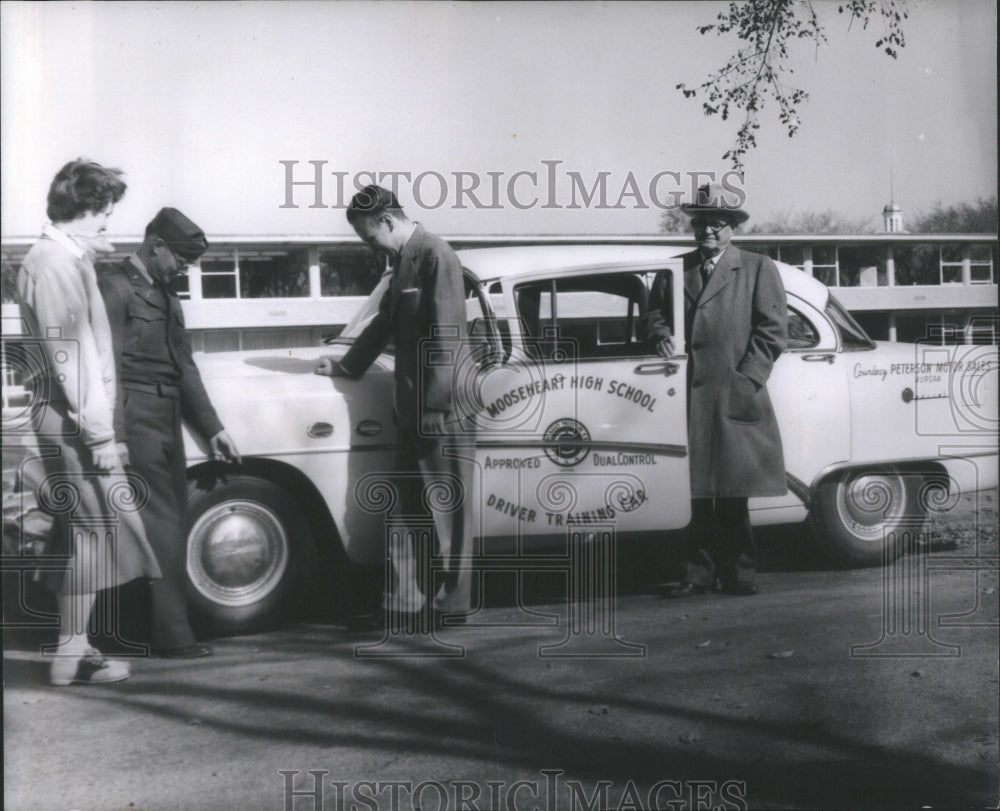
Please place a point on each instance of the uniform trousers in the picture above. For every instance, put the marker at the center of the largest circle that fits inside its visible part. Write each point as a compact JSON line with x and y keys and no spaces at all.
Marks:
{"x":720,"y":543}
{"x":156,"y":452}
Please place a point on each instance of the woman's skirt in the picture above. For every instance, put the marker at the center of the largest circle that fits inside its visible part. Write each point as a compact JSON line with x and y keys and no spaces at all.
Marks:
{"x":97,"y":540}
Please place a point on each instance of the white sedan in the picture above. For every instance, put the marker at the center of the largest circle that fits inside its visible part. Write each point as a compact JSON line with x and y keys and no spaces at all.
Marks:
{"x":579,"y":423}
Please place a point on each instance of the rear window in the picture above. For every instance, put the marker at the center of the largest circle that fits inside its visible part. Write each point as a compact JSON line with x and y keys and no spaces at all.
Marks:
{"x":852,"y":337}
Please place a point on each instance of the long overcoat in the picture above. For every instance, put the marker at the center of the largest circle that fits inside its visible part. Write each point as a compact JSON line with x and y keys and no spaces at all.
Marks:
{"x":734,"y":329}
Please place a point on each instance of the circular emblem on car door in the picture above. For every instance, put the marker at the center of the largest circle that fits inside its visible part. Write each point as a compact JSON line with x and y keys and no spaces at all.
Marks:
{"x":565,"y":442}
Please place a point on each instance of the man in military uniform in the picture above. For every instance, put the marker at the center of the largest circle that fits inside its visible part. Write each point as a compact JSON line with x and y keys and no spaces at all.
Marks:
{"x":158,"y":385}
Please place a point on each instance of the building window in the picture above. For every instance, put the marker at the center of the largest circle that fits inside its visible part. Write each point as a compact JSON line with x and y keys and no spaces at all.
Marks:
{"x":862,"y":266}
{"x":792,"y":255}
{"x":875,"y":323}
{"x":273,"y":274}
{"x":349,"y":270}
{"x":951,"y":264}
{"x":982,"y":260}
{"x":789,"y":254}
{"x":8,"y":280}
{"x":916,"y":264}
{"x":248,"y":273}
{"x":218,"y":277}
{"x":824,"y":265}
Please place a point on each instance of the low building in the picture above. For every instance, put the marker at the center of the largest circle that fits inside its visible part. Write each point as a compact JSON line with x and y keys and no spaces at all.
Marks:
{"x":288,"y":291}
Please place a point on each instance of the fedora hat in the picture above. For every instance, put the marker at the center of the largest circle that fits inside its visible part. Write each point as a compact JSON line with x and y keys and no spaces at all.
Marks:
{"x":716,"y":200}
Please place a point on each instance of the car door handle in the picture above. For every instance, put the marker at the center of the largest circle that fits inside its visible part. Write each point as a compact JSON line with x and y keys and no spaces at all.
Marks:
{"x":658,"y":367}
{"x":369,"y":428}
{"x":318,"y":430}
{"x":826,"y":356}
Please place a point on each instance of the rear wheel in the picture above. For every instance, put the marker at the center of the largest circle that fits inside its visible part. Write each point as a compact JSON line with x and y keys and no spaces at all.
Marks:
{"x":860,"y":516}
{"x":250,"y":554}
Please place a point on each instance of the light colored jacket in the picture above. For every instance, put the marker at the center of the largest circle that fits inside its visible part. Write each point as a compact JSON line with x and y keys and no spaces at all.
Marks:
{"x":62,"y":306}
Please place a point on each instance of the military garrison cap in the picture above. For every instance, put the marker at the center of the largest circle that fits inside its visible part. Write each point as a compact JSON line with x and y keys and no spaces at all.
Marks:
{"x":182,"y":236}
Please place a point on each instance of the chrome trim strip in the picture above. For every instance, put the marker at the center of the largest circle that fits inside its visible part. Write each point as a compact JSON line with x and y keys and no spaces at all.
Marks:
{"x":635,"y":447}
{"x":678,"y":451}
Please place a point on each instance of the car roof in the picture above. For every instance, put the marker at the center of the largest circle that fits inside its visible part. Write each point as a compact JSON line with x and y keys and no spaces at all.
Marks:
{"x":513,"y":262}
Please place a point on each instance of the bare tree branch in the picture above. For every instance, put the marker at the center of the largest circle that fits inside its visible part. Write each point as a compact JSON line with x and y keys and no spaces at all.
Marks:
{"x":752,"y":76}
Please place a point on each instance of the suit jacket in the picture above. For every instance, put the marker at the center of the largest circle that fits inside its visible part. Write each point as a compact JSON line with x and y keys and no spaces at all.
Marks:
{"x":424,"y":313}
{"x":152,"y":345}
{"x":734,"y":330}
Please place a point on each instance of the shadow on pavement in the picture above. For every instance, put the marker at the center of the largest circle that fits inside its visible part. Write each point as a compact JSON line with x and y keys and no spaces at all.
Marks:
{"x":502,"y":718}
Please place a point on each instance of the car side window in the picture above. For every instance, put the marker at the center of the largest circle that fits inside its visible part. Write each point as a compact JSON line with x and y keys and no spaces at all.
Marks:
{"x":489,"y":342}
{"x":598,"y":316}
{"x":801,"y":332}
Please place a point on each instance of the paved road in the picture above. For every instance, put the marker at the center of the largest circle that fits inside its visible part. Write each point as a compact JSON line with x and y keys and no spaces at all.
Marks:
{"x":760,"y":699}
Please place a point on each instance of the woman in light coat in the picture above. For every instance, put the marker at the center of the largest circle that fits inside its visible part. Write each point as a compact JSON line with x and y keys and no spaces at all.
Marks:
{"x":97,"y":538}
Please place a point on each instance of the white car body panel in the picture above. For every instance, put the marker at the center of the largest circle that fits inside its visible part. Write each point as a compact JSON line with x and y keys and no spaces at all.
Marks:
{"x":835,"y":408}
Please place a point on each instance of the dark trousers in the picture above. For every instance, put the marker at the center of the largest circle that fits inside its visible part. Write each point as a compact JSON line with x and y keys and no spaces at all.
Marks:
{"x":720,"y":543}
{"x":156,"y":451}
{"x":433,"y":517}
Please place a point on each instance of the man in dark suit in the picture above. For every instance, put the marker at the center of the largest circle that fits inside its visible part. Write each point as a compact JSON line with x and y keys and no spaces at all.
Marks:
{"x":158,"y":386}
{"x":735,"y":327}
{"x":424,"y":314}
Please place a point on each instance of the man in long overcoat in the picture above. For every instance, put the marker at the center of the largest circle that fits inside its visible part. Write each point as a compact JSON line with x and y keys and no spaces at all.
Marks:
{"x":426,"y":298}
{"x":158,"y":385}
{"x":735,"y":327}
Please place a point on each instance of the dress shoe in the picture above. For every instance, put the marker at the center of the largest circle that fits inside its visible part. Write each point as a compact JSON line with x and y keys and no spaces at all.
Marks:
{"x":193,"y":651}
{"x":741,"y":589}
{"x":90,"y":667}
{"x":685,"y":590}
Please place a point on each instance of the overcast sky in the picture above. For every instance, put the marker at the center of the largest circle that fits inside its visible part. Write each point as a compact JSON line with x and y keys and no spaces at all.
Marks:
{"x":199,"y":103}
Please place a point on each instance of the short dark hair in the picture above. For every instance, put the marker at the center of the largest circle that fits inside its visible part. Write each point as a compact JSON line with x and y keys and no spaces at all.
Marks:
{"x":373,"y":201}
{"x":83,"y":187}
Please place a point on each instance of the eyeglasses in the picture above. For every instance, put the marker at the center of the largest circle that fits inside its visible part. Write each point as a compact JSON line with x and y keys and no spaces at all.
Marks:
{"x":182,"y":263}
{"x":710,"y":225}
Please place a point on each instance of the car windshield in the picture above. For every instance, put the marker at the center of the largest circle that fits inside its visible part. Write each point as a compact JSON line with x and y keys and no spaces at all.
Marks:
{"x":365,"y":313}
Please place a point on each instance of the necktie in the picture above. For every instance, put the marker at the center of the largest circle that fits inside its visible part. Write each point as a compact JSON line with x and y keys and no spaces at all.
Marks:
{"x":706,"y":272}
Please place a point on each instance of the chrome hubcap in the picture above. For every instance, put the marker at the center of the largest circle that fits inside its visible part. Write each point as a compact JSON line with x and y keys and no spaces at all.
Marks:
{"x":870,"y":503}
{"x":237,"y":552}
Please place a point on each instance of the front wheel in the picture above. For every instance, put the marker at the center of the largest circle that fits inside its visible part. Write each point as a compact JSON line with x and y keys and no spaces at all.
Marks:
{"x":249,"y":554}
{"x":860,"y":516}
